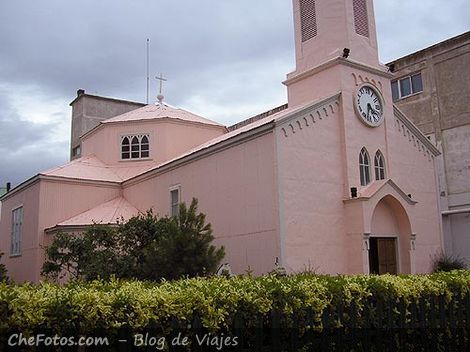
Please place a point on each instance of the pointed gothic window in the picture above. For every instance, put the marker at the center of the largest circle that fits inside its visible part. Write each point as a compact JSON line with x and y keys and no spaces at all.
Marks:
{"x":135,"y":147}
{"x":144,"y":147}
{"x":364,"y":167}
{"x":379,"y":166}
{"x":125,"y":148}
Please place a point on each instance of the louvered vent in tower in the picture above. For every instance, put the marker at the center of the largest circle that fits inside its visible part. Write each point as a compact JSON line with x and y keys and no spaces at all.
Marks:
{"x":361,"y":20}
{"x":308,"y":19}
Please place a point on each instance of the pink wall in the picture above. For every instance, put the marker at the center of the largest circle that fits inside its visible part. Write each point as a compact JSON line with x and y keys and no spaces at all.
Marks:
{"x":384,"y":221}
{"x":62,"y":200}
{"x":356,"y":134}
{"x":45,"y":204}
{"x":23,"y":267}
{"x":237,"y":190}
{"x":413,"y":169}
{"x":319,"y":165}
{"x":311,"y":186}
{"x":320,"y":85}
{"x":163,"y":134}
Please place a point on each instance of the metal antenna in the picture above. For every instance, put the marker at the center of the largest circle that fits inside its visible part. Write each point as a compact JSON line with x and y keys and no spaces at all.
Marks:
{"x":148,"y":67}
{"x":160,"y":95}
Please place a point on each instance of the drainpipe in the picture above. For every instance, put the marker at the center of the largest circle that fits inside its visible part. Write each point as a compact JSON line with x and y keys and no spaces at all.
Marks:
{"x":457,"y":211}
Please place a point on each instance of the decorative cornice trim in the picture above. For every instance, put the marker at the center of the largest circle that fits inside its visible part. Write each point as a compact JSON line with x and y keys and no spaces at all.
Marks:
{"x":415,"y":130}
{"x":308,"y":109}
{"x":389,"y":182}
{"x":308,"y":116}
{"x":335,"y":61}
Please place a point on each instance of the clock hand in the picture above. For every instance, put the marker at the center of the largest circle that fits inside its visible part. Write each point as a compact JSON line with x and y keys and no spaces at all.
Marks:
{"x":375,"y":113}
{"x":369,"y":108}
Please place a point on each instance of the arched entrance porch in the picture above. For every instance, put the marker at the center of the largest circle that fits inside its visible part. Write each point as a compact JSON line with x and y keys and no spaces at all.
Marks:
{"x":389,"y":242}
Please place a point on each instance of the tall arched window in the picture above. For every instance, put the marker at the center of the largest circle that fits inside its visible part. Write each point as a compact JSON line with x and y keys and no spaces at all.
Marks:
{"x":125,"y":148}
{"x":135,"y":147}
{"x":144,"y":147}
{"x":364,"y":167}
{"x":379,"y":166}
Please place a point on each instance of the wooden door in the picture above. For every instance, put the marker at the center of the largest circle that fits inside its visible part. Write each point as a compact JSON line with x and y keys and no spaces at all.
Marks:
{"x":387,"y":255}
{"x":383,"y":255}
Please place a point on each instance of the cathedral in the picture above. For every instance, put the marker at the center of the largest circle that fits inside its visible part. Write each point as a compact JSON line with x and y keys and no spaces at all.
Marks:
{"x":339,"y":180}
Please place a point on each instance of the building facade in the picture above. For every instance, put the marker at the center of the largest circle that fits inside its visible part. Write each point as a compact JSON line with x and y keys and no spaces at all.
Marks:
{"x":89,"y":110}
{"x":339,"y":180}
{"x":432,"y":88}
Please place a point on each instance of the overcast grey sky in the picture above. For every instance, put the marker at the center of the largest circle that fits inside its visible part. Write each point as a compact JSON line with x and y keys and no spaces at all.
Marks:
{"x":223,"y":59}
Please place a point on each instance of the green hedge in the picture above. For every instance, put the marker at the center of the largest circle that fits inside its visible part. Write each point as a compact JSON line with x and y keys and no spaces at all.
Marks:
{"x":86,"y":307}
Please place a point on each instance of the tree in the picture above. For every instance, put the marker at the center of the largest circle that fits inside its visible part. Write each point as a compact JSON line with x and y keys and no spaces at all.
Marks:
{"x":3,"y":271}
{"x":185,"y":249}
{"x":87,"y":256}
{"x":145,"y":247}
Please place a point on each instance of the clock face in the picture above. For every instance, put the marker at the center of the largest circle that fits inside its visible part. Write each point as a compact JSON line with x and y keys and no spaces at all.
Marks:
{"x":369,"y":106}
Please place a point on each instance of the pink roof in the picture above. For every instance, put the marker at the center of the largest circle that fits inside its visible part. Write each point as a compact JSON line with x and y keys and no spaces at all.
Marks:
{"x":91,"y":168}
{"x":107,"y":213}
{"x":374,"y":187}
{"x":160,"y":111}
{"x":258,"y":123}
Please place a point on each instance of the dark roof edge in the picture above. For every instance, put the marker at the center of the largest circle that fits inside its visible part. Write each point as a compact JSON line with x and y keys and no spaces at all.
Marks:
{"x":82,"y":93}
{"x":432,"y":47}
{"x":257,"y":117}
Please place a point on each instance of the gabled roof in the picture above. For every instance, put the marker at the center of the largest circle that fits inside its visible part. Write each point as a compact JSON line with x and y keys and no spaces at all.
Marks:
{"x":160,"y":111}
{"x":92,"y":168}
{"x":107,"y":213}
{"x":374,"y":187}
{"x":267,"y":122}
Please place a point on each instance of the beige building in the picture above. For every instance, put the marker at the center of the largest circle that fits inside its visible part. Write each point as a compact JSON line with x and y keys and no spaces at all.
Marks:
{"x":432,"y":87}
{"x":87,"y":113}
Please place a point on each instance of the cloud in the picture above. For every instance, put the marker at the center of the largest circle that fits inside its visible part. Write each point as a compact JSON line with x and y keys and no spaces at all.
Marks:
{"x":223,"y":59}
{"x":406,"y":26}
{"x":101,"y":46}
{"x":28,"y":147}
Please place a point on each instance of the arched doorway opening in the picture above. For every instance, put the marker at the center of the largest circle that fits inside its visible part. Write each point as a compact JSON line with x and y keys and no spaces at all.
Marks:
{"x":389,"y":243}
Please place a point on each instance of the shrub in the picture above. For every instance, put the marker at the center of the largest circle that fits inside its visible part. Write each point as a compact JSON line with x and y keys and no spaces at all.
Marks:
{"x":145,"y":247}
{"x":3,"y":270}
{"x":111,"y":305}
{"x":444,"y":262}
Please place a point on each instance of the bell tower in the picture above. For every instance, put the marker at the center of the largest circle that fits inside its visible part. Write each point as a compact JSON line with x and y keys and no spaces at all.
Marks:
{"x":324,"y":28}
{"x":328,"y":32}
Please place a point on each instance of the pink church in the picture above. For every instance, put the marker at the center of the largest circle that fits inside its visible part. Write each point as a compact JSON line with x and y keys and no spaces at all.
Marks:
{"x":339,"y":180}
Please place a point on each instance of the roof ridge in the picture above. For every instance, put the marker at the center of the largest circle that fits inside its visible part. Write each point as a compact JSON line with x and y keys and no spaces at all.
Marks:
{"x":163,"y":110}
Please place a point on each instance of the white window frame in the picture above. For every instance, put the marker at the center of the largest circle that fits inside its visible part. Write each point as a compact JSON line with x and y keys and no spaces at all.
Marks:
{"x":130,"y":137}
{"x":364,"y":168}
{"x":172,"y":189}
{"x":16,"y":231}
{"x":379,"y":170}
{"x":409,"y":77}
